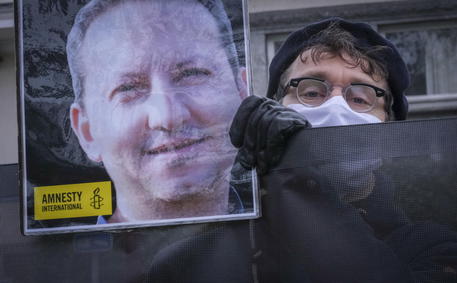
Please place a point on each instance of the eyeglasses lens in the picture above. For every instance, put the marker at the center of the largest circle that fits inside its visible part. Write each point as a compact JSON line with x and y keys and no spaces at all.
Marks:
{"x":360,"y":98}
{"x":311,"y":92}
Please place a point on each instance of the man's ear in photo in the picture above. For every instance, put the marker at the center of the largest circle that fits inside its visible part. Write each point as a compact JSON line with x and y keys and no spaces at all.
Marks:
{"x":242,"y":81}
{"x":81,"y":127}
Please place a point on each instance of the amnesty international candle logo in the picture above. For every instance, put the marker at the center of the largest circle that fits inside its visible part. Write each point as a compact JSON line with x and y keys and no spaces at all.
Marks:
{"x":73,"y":200}
{"x":96,"y":199}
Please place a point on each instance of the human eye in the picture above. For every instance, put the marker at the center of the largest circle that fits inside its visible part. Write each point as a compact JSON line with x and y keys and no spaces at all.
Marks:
{"x":311,"y":92}
{"x":191,"y":76}
{"x":131,"y":90}
{"x":359,"y":100}
{"x":361,"y":96}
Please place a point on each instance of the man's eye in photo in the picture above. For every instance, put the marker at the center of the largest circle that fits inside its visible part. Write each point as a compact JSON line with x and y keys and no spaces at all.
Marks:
{"x":127,"y":87}
{"x":130,"y":96}
{"x":130,"y":91}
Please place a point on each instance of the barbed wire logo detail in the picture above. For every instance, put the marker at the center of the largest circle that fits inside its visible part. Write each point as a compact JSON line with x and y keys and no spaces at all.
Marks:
{"x":96,"y":200}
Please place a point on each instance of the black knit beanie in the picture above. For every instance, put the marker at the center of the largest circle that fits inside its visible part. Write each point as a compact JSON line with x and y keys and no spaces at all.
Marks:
{"x":366,"y":37}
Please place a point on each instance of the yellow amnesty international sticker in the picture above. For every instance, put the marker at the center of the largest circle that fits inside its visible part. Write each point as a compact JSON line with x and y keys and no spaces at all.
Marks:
{"x":74,"y":200}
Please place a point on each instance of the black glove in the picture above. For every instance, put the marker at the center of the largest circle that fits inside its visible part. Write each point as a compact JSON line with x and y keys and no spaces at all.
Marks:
{"x":260,"y":130}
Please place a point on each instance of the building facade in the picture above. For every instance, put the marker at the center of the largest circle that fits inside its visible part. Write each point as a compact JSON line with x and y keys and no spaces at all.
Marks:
{"x":424,"y":31}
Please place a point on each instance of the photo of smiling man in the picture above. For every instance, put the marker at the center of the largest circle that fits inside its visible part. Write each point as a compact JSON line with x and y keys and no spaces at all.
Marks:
{"x":155,"y":89}
{"x":155,"y":93}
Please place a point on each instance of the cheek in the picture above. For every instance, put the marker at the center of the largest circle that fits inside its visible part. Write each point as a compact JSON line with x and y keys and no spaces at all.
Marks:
{"x":381,"y":115}
{"x":378,"y":114}
{"x":216,"y":107}
{"x":379,"y":111}
{"x":229,"y":104}
{"x":115,"y":125}
{"x":216,"y":113}
{"x":290,"y":99}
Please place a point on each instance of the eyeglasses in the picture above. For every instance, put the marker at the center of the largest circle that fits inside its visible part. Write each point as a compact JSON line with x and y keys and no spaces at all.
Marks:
{"x":313,"y":92}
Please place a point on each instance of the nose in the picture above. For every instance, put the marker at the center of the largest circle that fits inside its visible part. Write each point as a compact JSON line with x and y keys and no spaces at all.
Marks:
{"x":336,"y":91}
{"x":166,"y":111}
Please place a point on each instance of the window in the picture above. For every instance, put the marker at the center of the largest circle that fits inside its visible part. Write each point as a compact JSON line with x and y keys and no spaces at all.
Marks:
{"x":274,"y":41}
{"x":429,"y":51}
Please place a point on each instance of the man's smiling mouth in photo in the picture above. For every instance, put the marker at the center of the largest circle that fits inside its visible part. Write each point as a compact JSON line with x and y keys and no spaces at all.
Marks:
{"x":175,"y":145}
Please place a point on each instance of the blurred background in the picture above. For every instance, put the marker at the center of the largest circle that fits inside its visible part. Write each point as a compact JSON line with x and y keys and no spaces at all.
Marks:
{"x":424,"y":31}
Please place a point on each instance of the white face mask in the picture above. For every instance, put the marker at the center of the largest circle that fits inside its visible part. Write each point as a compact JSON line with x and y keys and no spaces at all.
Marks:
{"x":334,"y":112}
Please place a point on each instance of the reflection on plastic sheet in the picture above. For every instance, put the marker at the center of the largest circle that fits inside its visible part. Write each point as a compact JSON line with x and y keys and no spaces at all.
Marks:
{"x":125,"y":113}
{"x":411,"y":185}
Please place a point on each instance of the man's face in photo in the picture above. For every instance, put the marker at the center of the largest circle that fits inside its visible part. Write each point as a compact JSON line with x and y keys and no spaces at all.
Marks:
{"x":159,"y":96}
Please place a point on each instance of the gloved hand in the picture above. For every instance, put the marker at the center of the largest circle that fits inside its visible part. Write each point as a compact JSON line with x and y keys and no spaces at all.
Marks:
{"x":260,"y":130}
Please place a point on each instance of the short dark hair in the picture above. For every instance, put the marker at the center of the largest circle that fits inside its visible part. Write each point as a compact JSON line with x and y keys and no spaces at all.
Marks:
{"x":336,"y":41}
{"x":94,"y":8}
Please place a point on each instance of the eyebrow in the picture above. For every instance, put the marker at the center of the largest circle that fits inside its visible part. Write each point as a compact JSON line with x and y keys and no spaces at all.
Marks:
{"x":184,"y":63}
{"x":132,"y":75}
{"x":324,"y":76}
{"x":315,"y":74}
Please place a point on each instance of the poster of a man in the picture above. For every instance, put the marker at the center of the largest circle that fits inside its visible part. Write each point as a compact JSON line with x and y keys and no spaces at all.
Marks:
{"x":156,"y":84}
